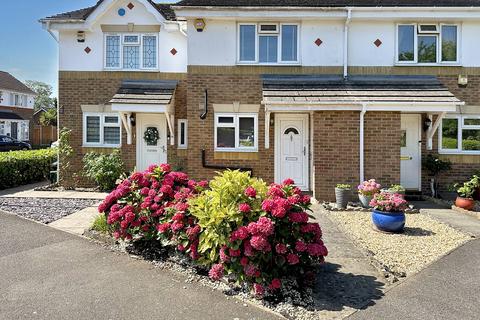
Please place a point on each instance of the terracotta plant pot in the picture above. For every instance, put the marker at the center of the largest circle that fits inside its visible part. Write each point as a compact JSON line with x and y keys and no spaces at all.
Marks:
{"x":465,"y":203}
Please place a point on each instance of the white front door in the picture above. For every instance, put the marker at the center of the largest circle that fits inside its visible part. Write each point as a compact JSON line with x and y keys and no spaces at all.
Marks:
{"x":291,"y":149}
{"x":152,"y":152}
{"x":410,"y":165}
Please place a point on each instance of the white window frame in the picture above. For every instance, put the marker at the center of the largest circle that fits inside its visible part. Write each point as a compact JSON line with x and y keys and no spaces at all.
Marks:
{"x":180,"y":144}
{"x":415,"y":45}
{"x":103,"y":124}
{"x":461,"y":127}
{"x":279,"y":42}
{"x":236,"y":125}
{"x":123,"y":44}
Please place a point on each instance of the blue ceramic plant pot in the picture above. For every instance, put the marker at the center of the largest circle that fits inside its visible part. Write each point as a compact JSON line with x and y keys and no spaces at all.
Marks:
{"x":388,"y":221}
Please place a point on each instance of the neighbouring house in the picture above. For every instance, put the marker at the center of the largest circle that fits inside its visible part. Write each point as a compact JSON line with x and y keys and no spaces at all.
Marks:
{"x":16,"y":107}
{"x":323,"y":92}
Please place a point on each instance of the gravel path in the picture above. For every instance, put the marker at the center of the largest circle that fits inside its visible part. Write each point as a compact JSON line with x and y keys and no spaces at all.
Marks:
{"x":42,"y":209}
{"x":424,"y":241}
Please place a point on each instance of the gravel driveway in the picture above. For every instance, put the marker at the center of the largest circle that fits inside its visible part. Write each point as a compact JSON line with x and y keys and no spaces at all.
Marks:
{"x":43,"y":209}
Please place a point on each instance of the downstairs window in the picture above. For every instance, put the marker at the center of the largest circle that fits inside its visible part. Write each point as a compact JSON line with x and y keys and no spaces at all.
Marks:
{"x":236,"y":132}
{"x":460,"y":134}
{"x":101,"y":130}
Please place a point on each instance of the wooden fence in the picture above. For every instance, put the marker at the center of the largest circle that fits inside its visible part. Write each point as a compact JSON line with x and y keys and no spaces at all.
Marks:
{"x":43,"y":135}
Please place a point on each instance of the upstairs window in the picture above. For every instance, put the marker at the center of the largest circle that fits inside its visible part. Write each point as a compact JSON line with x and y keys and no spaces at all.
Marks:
{"x":268,"y":43}
{"x":131,"y":51}
{"x":427,"y":43}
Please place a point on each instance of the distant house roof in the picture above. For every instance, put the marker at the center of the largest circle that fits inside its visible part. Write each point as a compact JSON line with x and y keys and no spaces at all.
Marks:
{"x":330,"y":3}
{"x":82,"y":14}
{"x":358,"y":89}
{"x":158,"y":92}
{"x":9,"y":82}
{"x":7,"y":115}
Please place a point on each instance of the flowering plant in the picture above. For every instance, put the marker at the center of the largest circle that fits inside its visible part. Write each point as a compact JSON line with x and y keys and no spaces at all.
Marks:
{"x":369,"y":188}
{"x":389,"y":202}
{"x":153,"y":205}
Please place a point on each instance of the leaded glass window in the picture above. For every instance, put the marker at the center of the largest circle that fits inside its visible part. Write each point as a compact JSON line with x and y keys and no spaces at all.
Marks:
{"x":131,"y":57}
{"x":149,"y":52}
{"x":113,"y":52}
{"x":131,"y":51}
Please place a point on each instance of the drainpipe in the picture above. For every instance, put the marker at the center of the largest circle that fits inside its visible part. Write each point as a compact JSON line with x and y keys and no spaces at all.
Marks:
{"x":362,"y":142}
{"x":345,"y":43}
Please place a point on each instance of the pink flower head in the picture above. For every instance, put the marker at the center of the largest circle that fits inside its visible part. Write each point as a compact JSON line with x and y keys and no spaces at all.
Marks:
{"x":164,"y":227}
{"x":165,"y":167}
{"x":251,"y":192}
{"x":258,"y":289}
{"x":276,"y":284}
{"x":239,"y":234}
{"x":268,"y":205}
{"x":244,"y":208}
{"x":248,"y":249}
{"x":216,"y":272}
{"x":244,"y":261}
{"x":166,"y":189}
{"x":292,"y":259}
{"x":288,"y":182}
{"x":264,"y":227}
{"x":203,"y":184}
{"x":177,"y":226}
{"x":151,"y":168}
{"x":234,"y":253}
{"x":298,"y":217}
{"x":260,"y":243}
{"x":223,"y":255}
{"x":144,"y":191}
{"x":250,"y":270}
{"x":317,"y":250}
{"x":281,"y":248}
{"x":300,"y":246}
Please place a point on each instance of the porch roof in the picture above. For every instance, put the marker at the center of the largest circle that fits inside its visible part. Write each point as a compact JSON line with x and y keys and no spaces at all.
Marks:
{"x":145,"y":92}
{"x":7,"y":115}
{"x":395,"y":93}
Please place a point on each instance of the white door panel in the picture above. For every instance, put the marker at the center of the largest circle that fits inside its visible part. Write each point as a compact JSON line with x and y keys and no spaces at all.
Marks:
{"x":155,"y":153}
{"x":410,"y":164}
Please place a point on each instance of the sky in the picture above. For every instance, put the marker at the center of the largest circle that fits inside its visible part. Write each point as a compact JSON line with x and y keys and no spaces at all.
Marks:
{"x":26,"y":50}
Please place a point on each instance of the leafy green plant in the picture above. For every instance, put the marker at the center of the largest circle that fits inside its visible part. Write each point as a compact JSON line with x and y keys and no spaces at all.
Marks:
{"x":104,"y":169}
{"x":218,"y":214}
{"x":467,"y":190}
{"x":49,"y":118}
{"x":65,"y":152}
{"x":435,"y":166}
{"x":344,"y":186}
{"x":100,"y":224}
{"x":23,"y":167}
{"x":396,"y":188}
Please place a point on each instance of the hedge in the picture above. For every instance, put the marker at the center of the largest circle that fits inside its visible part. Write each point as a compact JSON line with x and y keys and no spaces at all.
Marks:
{"x":23,"y":167}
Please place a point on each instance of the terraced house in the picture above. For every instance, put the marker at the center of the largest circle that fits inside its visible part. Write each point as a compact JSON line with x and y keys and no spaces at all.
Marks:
{"x":323,"y":92}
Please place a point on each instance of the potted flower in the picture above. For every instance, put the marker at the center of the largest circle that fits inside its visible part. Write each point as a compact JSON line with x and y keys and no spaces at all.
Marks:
{"x":396,"y":188}
{"x":342,"y":195}
{"x":435,"y":166}
{"x":465,"y":196}
{"x":450,"y":194}
{"x":389,"y":211}
{"x":367,"y":190}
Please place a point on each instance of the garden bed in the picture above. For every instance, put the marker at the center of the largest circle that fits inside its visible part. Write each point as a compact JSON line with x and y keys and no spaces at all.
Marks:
{"x":424,"y":241}
{"x":44,"y":210}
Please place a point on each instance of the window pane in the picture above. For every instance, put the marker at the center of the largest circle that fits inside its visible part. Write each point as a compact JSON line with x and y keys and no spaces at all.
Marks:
{"x":111,"y":119}
{"x":247,"y":132}
{"x":226,"y":137}
{"x":113,"y":52}
{"x":289,"y":43}
{"x":471,"y":122}
{"x":182,"y":133}
{"x":406,"y":43}
{"x":427,"y":49}
{"x":93,"y":129}
{"x":225,"y":119}
{"x":130,"y":39}
{"x":471,"y":140}
{"x":131,"y":57}
{"x":247,"y":43}
{"x":449,"y":43}
{"x":149,"y":52}
{"x":268,"y":49}
{"x":450,"y":134}
{"x":111,"y":135}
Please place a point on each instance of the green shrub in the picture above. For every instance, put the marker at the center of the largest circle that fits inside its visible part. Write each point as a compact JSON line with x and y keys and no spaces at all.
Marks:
{"x":23,"y":167}
{"x":218,"y":214}
{"x":103,"y":169}
{"x":100,"y":224}
{"x":344,"y":186}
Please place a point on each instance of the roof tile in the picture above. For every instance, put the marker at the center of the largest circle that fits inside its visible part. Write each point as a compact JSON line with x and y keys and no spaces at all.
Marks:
{"x":9,"y":82}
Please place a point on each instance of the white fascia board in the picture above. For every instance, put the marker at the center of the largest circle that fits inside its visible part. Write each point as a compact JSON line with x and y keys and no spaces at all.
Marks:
{"x":375,"y":107}
{"x":147,"y":108}
{"x":76,"y":25}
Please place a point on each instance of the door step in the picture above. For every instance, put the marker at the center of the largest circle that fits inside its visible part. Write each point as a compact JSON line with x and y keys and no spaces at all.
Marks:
{"x":413,"y":195}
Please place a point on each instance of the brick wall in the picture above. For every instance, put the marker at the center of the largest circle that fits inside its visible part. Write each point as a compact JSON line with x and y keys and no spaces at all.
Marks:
{"x":95,"y":88}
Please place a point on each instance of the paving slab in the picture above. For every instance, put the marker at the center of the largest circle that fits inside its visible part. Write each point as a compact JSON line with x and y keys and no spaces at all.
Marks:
{"x":77,"y":222}
{"x":28,"y":191}
{"x":50,"y":274}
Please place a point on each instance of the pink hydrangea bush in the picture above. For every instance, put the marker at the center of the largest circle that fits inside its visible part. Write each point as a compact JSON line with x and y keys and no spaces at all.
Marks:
{"x":281,"y":242}
{"x":153,"y":205}
{"x":389,"y":202}
{"x":369,"y":188}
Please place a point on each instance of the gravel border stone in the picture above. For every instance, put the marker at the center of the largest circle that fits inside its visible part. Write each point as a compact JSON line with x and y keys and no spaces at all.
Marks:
{"x":44,"y":210}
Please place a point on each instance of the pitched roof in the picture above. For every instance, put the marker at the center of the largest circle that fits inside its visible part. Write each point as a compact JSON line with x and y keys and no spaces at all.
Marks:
{"x":145,"y":92}
{"x":82,"y":14}
{"x":8,"y":115}
{"x":357,"y":89}
{"x":330,"y":3}
{"x":9,"y":82}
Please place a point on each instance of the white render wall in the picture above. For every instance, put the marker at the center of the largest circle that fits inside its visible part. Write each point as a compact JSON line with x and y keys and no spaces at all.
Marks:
{"x":6,"y":99}
{"x":72,"y":55}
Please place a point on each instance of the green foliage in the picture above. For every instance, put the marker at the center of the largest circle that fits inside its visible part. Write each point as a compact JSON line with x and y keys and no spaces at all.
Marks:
{"x":49,"y":117}
{"x":217,"y":210}
{"x":344,"y":186}
{"x":44,"y":92}
{"x":396,"y":188}
{"x":104,"y":169}
{"x":100,"y":224}
{"x":65,"y":151}
{"x":23,"y":167}
{"x":435,"y":165}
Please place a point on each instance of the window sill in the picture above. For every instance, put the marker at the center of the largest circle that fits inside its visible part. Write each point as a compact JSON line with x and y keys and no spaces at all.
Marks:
{"x":293,"y":64}
{"x":131,"y":70}
{"x":399,"y":64}
{"x":104,"y":146}
{"x":236,"y":151}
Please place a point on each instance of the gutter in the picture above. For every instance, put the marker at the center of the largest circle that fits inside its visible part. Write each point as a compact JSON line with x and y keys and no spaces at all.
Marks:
{"x":345,"y":43}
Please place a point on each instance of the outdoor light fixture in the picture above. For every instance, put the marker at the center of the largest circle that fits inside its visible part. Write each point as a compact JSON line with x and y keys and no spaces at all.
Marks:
{"x":81,"y":36}
{"x":199,"y":25}
{"x":427,"y":124}
{"x":462,"y":80}
{"x":132,"y":120}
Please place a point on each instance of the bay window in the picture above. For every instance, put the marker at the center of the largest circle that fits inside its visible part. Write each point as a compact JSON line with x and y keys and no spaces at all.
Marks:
{"x":131,"y":51}
{"x":427,"y":43}
{"x":101,"y":130}
{"x":460,"y":134}
{"x":236,"y":132}
{"x":268,"y":43}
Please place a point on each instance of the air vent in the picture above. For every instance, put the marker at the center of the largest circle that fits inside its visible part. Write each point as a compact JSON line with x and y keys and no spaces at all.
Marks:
{"x":428,"y":28}
{"x":271,"y":28}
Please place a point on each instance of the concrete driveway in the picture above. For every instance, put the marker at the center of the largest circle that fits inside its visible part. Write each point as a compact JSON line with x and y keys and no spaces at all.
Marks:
{"x":49,"y":274}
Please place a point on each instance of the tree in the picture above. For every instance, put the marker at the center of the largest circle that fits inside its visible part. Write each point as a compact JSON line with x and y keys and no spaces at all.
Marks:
{"x":44,"y":92}
{"x":49,"y":117}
